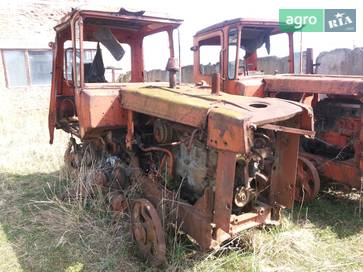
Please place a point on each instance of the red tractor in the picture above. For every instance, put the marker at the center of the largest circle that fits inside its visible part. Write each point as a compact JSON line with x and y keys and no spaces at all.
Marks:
{"x":335,"y":152}
{"x":214,"y":163}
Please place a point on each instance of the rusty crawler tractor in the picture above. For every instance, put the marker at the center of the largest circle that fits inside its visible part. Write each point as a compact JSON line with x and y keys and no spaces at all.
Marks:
{"x":335,"y":152}
{"x":215,"y":163}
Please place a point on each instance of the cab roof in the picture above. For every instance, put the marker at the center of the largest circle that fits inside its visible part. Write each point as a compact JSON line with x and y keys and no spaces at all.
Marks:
{"x":122,"y":19}
{"x":247,"y":22}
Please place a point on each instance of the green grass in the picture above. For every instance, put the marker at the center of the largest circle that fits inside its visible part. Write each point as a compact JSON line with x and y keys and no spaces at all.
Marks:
{"x":38,"y":232}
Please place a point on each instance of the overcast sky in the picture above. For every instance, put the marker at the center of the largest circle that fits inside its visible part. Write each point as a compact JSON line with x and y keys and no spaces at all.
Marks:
{"x":199,"y":14}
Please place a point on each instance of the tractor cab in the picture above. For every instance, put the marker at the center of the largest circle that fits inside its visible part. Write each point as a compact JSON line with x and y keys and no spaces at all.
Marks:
{"x":231,"y":48}
{"x":90,"y":46}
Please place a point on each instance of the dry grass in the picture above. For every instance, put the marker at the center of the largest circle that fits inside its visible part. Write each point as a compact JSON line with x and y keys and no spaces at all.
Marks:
{"x":39,"y":232}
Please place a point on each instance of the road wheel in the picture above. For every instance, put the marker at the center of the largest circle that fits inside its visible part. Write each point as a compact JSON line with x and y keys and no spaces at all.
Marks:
{"x":307,"y":181}
{"x":148,"y":232}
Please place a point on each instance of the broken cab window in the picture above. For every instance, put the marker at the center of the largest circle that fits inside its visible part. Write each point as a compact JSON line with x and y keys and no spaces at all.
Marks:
{"x":89,"y":54}
{"x":100,"y":64}
{"x":209,"y":55}
{"x":155,"y":64}
{"x":232,"y":52}
{"x":276,"y":60}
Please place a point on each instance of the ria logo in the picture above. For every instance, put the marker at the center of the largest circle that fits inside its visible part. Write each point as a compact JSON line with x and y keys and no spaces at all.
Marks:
{"x":340,"y":20}
{"x":318,"y":20}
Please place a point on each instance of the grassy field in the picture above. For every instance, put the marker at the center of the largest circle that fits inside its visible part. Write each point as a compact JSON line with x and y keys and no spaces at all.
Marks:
{"x":39,"y":232}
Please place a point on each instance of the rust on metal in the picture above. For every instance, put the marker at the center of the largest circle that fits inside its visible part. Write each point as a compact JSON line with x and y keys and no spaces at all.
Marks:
{"x":100,"y":179}
{"x":307,"y":181}
{"x":118,"y":202}
{"x":284,"y":170}
{"x":320,"y":84}
{"x":289,"y":130}
{"x":148,"y":231}
{"x":216,"y":83}
{"x":226,"y":164}
{"x":167,"y":152}
{"x":309,"y":65}
{"x":230,"y":160}
{"x":336,"y":100}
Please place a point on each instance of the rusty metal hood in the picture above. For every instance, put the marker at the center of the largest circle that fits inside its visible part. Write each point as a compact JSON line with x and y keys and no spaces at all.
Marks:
{"x":322,"y":84}
{"x":192,"y":105}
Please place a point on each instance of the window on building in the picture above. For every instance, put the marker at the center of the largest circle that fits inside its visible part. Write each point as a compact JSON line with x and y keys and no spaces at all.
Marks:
{"x":40,"y":67}
{"x":25,"y":67}
{"x":15,"y":67}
